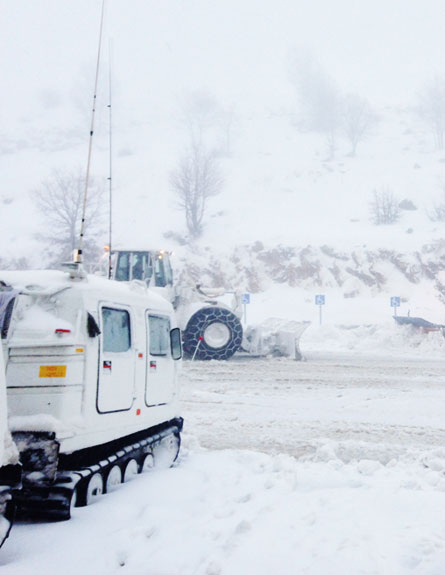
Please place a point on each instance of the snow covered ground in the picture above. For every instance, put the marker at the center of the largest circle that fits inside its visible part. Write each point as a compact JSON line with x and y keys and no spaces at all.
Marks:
{"x":333,"y":465}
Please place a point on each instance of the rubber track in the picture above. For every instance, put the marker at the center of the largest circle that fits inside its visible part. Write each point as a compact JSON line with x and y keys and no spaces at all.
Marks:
{"x":56,"y":502}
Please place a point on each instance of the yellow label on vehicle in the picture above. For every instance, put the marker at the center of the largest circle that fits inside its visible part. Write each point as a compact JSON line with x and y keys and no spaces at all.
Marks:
{"x":52,"y":371}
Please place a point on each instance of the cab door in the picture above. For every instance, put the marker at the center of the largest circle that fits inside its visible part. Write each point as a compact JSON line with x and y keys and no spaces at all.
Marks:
{"x":160,"y":379}
{"x":116,"y":360}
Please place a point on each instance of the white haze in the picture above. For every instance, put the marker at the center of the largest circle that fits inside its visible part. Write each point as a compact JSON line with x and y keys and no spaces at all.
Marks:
{"x":366,"y":408}
{"x":238,"y":54}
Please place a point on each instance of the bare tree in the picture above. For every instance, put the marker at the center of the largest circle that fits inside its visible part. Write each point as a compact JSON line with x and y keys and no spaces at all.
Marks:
{"x":194,"y":181}
{"x":319,"y":99}
{"x":228,"y":122}
{"x":201,"y":113}
{"x":358,"y":119}
{"x":384,"y":208}
{"x":208,"y":123}
{"x":432,"y":109}
{"x":60,"y":202}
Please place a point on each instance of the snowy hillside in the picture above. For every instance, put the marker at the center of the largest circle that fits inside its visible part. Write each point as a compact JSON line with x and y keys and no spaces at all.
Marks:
{"x":288,"y":217}
{"x":283,"y":189}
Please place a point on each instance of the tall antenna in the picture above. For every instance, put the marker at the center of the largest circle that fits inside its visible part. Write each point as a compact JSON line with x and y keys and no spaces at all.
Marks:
{"x":79,"y":252}
{"x":110,"y":177}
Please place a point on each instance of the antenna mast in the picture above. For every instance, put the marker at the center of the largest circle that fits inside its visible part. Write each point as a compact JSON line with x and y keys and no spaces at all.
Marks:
{"x":110,"y":178}
{"x":78,"y":256}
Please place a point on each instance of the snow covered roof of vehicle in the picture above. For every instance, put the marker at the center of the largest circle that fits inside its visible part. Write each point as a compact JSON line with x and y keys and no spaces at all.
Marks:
{"x":48,"y":282}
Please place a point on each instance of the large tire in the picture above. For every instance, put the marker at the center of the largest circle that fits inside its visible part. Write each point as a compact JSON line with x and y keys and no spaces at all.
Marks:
{"x":212,"y":333}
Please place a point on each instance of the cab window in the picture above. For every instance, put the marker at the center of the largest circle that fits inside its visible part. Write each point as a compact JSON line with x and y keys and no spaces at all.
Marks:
{"x":141,"y":266}
{"x":159,"y":334}
{"x":160,"y":280}
{"x":122,"y":267}
{"x":116,"y":330}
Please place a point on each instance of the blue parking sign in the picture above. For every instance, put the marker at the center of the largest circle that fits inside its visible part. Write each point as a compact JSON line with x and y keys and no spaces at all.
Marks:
{"x":319,"y":299}
{"x":246,"y":297}
{"x":395,"y":301}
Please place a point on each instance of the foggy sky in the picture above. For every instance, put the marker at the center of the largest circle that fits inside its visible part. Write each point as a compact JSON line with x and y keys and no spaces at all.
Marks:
{"x":385,"y":50}
{"x":237,"y":51}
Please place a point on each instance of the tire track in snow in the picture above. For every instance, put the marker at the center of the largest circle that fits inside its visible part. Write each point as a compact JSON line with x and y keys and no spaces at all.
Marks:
{"x":380,"y":408}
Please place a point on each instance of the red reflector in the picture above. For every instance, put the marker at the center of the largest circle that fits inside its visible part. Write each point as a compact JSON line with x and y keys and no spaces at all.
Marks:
{"x":63,"y":331}
{"x":138,"y":411}
{"x":140,"y":355}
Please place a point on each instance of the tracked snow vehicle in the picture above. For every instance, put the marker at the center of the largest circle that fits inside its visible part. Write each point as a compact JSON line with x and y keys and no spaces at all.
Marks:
{"x":92,"y":385}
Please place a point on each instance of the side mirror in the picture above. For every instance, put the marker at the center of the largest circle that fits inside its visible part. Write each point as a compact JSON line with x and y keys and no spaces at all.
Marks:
{"x":175,"y":343}
{"x":92,"y":327}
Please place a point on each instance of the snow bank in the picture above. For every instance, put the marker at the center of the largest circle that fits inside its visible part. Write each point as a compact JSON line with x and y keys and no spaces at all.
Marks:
{"x":240,"y":512}
{"x":386,"y":339}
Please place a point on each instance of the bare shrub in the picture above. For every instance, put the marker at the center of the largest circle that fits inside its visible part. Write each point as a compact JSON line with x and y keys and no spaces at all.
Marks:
{"x":384,"y":208}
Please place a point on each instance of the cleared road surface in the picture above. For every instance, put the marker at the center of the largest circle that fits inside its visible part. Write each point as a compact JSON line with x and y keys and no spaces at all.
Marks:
{"x":375,"y":407}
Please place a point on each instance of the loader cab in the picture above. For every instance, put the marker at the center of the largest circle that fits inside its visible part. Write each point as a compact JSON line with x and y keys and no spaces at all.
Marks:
{"x":152,"y":267}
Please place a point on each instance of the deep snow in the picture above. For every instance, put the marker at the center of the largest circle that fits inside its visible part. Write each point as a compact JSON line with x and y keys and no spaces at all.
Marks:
{"x":329,"y":466}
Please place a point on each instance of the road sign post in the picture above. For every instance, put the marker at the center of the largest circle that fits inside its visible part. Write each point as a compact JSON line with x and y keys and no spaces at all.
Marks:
{"x":320,"y":300}
{"x":395,"y":303}
{"x":245,"y":300}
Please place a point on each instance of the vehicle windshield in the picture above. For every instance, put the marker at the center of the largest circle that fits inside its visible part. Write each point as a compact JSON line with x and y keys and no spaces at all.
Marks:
{"x":133,"y":266}
{"x":163,"y":271}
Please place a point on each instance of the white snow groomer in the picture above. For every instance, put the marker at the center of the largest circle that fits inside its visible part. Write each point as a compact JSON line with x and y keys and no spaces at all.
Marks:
{"x":10,"y":470}
{"x":91,"y":382}
{"x":211,"y":328}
